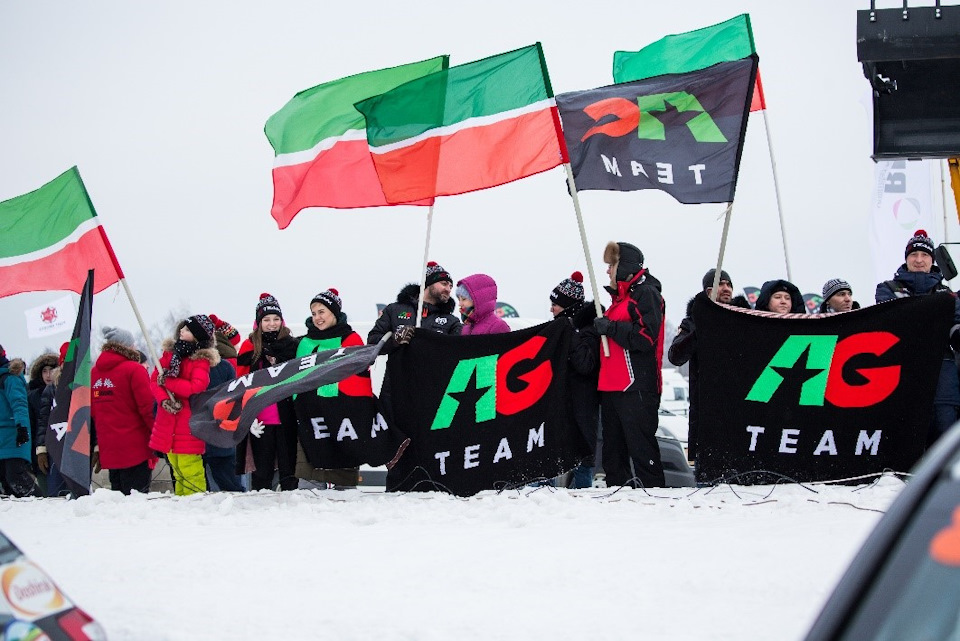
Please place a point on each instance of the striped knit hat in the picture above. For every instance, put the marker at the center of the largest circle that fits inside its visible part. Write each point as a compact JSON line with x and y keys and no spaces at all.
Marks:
{"x":331,"y":300}
{"x":568,"y":292}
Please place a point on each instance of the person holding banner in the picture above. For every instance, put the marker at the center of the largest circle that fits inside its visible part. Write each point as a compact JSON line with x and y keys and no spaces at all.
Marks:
{"x":477,"y":295}
{"x":186,"y":363}
{"x":837,"y":297}
{"x":438,"y":307}
{"x":918,"y":276}
{"x":15,"y":439}
{"x":780,"y":297}
{"x":629,"y":381}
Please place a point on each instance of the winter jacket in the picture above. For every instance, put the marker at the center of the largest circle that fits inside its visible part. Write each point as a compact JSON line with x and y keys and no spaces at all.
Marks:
{"x":221,"y":373}
{"x":121,"y":406}
{"x":636,"y":330}
{"x":281,"y":349}
{"x":906,"y":284}
{"x":483,"y":319}
{"x":340,"y":335}
{"x":770,"y":287}
{"x":683,"y":349}
{"x":35,"y":389}
{"x":47,"y":397}
{"x":436,"y":318}
{"x":583,"y":397}
{"x":171,"y":432}
{"x":14,"y":409}
{"x":826,"y":309}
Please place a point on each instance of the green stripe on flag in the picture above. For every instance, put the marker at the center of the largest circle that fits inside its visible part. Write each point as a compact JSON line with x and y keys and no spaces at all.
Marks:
{"x":327,"y":111}
{"x":690,"y":51}
{"x":45,"y":216}
{"x":510,"y":81}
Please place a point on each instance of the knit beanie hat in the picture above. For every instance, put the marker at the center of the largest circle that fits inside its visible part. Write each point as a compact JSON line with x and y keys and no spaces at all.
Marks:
{"x":267,"y":305}
{"x":919,"y":242}
{"x":202,"y":329}
{"x":708,"y":277}
{"x":835,"y":285}
{"x":569,"y":291}
{"x":331,"y":300}
{"x":118,"y":335}
{"x":225,"y":329}
{"x":436,"y":273}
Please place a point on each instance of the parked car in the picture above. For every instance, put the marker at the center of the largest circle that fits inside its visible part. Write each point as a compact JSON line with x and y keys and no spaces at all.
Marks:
{"x":904,"y":582}
{"x":32,"y":607}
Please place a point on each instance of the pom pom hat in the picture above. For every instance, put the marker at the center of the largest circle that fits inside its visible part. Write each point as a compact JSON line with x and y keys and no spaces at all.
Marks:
{"x":436,"y":274}
{"x":331,"y":300}
{"x":267,"y":305}
{"x":919,"y":242}
{"x":568,"y":292}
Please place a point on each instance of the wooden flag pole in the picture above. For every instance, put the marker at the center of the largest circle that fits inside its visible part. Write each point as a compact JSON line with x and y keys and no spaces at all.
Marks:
{"x":723,"y":247}
{"x":586,"y":251}
{"x":776,"y":189}
{"x":423,"y":269}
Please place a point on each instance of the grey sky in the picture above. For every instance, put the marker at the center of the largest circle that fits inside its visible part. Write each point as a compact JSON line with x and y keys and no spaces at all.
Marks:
{"x":162,"y":107}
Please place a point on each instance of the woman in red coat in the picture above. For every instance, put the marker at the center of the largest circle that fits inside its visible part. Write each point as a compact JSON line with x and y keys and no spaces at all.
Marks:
{"x":186,"y":366}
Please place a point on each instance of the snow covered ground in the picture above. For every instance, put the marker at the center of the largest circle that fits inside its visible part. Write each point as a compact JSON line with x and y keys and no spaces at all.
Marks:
{"x":727,"y":563}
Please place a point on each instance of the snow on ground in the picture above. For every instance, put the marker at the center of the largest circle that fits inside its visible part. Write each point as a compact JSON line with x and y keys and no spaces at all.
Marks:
{"x":727,"y":563}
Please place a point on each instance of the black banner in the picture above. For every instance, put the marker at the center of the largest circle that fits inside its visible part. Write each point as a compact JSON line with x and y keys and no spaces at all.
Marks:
{"x":222,"y":416}
{"x":484,"y":412}
{"x":820,"y":398}
{"x":68,"y":443}
{"x":680,"y":133}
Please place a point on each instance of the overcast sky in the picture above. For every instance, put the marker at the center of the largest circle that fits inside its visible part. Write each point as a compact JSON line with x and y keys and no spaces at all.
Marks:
{"x":161,"y":105}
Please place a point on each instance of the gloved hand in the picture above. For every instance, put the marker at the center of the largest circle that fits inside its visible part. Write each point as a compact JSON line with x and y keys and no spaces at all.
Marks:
{"x":403,"y":334}
{"x":43,"y":461}
{"x":171,"y":405}
{"x":602,"y":325}
{"x":95,"y":461}
{"x":22,"y":435}
{"x":256,"y":428}
{"x":161,"y":378}
{"x":225,"y":329}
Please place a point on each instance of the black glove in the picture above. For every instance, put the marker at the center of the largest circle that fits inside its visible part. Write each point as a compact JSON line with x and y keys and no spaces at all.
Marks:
{"x":403,"y":334}
{"x":602,"y":325}
{"x":22,"y":435}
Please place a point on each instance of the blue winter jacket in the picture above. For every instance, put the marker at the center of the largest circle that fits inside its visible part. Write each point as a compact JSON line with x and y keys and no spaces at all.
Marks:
{"x":14,"y":410}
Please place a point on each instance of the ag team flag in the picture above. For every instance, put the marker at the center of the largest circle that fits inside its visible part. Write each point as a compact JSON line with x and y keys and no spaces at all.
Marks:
{"x":470,"y":127}
{"x":320,"y":143}
{"x":68,"y":436}
{"x":50,"y":237}
{"x":820,"y":398}
{"x":680,"y":133}
{"x":484,"y":412}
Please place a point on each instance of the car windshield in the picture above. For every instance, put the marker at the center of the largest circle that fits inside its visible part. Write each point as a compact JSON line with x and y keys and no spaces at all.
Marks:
{"x":917,"y":593}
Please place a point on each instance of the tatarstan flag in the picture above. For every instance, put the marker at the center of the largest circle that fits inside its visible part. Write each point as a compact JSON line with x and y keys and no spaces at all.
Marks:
{"x":470,"y":127}
{"x":322,"y":159}
{"x":50,"y":237}
{"x":691,"y":51}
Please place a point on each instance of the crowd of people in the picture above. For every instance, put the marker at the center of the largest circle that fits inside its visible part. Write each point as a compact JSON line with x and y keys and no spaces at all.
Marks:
{"x":614,"y":378}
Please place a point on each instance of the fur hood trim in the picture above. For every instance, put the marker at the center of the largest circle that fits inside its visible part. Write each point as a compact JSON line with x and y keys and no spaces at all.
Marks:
{"x":16,"y":366}
{"x":209,"y":353}
{"x":126,"y":351}
{"x":410,"y":295}
{"x":737,"y":301}
{"x":611,"y":253}
{"x":44,"y":360}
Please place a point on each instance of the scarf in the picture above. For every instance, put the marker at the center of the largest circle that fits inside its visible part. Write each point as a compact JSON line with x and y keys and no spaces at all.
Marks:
{"x":181,"y":350}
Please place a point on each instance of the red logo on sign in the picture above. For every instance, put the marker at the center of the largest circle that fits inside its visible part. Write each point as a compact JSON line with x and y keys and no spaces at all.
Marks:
{"x":49,"y":315}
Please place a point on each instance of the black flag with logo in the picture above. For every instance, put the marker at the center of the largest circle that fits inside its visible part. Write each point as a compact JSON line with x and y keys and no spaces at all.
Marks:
{"x":68,"y":438}
{"x":680,"y":133}
{"x":484,"y":412}
{"x":821,"y":398}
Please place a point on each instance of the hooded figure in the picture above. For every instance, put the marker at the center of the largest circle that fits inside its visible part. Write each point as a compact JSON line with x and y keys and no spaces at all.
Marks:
{"x":478,"y":298}
{"x":771,"y":287}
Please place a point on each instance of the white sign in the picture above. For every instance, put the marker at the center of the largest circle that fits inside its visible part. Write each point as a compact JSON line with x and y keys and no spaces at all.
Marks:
{"x":52,"y":318}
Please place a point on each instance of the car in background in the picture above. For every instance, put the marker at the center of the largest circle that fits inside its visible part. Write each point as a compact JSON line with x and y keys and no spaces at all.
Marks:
{"x":32,"y":607}
{"x":904,"y":583}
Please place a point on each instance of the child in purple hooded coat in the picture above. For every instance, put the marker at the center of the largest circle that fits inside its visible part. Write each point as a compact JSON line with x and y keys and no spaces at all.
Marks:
{"x":478,"y":303}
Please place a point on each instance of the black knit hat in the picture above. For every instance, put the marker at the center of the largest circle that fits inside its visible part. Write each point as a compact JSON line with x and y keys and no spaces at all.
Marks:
{"x":436,"y":273}
{"x":919,"y":242}
{"x":708,"y":277}
{"x":331,"y":300}
{"x":569,"y":291}
{"x":267,"y":305}
{"x":202,"y":329}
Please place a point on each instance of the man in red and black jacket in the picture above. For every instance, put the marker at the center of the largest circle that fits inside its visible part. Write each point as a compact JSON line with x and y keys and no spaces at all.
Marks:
{"x":630,"y":381}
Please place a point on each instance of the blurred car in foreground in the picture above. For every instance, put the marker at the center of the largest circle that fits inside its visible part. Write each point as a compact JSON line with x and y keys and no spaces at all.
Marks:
{"x":32,"y":607}
{"x":904,"y":582}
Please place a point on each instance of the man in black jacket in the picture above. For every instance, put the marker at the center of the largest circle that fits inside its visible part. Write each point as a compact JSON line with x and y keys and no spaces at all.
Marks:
{"x":684,"y":348}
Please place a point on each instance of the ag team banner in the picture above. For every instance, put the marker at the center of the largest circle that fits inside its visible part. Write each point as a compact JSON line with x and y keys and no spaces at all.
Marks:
{"x":818,"y":398}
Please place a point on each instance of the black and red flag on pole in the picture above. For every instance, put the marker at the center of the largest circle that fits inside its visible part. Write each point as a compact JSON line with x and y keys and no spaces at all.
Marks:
{"x":680,"y":133}
{"x":68,"y":439}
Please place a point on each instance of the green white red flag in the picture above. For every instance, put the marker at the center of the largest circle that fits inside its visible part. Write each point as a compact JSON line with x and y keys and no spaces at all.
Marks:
{"x":51,"y":237}
{"x":470,"y":127}
{"x":322,"y":159}
{"x":691,"y":51}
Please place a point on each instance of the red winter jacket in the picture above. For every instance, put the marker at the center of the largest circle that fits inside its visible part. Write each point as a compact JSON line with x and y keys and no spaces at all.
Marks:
{"x":171,"y":432}
{"x":121,"y":406}
{"x":636,"y":348}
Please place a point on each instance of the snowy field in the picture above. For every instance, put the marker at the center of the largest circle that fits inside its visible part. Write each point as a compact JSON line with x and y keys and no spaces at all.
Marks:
{"x":727,"y":563}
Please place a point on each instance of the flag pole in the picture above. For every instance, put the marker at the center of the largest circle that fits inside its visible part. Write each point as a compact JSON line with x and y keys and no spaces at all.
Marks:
{"x":586,"y":251}
{"x":776,"y":188}
{"x":423,"y":269}
{"x":723,"y":246}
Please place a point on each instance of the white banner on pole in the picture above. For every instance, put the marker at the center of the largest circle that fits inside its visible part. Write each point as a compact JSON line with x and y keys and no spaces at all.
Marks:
{"x":52,"y":318}
{"x":901,"y":203}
